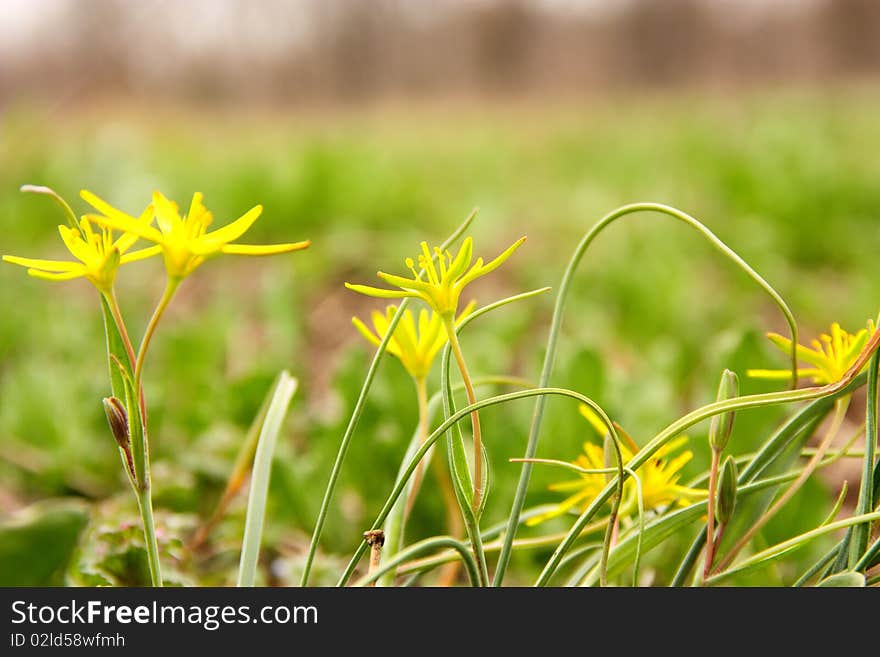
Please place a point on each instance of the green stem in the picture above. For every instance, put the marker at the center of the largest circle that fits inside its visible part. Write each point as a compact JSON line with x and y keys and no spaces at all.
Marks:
{"x":141,"y":448}
{"x":556,"y":325}
{"x":840,"y":408}
{"x":113,"y":304}
{"x":422,"y":397}
{"x":475,"y":417}
{"x":862,"y":533}
{"x":710,"y":513}
{"x":396,"y":523}
{"x":355,"y":418}
{"x":167,"y":295}
{"x":145,"y":504}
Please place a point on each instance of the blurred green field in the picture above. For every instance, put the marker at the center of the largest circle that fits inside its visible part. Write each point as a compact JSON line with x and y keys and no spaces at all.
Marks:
{"x":789,"y":180}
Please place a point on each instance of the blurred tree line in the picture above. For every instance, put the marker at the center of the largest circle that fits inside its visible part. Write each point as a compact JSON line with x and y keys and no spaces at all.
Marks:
{"x":304,"y":51}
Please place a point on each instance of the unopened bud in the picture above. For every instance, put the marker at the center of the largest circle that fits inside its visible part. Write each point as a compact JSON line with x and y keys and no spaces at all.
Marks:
{"x":726,"y":491}
{"x":117,"y":418}
{"x":721,"y":425}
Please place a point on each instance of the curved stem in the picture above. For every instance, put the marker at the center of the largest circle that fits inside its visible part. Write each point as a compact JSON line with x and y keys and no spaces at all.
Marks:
{"x":427,"y":563}
{"x":556,"y":325}
{"x":451,"y":421}
{"x":425,"y":546}
{"x":840,"y":408}
{"x":704,"y":413}
{"x":475,"y":416}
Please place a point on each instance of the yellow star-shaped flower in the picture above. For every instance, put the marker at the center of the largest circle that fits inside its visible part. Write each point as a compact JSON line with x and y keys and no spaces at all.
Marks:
{"x":98,"y":254}
{"x":185,"y":241}
{"x":830,"y":358}
{"x":415,"y":345}
{"x":659,"y":476}
{"x":443,"y":282}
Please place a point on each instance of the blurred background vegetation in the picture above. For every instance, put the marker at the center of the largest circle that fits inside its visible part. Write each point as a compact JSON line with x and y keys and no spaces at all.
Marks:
{"x":367,"y":127}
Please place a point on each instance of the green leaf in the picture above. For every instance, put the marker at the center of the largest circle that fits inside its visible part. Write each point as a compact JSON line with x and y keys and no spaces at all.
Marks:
{"x":256,"y":508}
{"x":847,"y":579}
{"x":115,"y":348}
{"x":49,"y":529}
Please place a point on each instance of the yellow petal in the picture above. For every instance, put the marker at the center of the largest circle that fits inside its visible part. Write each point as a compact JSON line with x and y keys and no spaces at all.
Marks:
{"x":805,"y":354}
{"x":141,"y":254}
{"x":493,"y":264}
{"x":105,"y":208}
{"x":365,"y":331}
{"x":47,"y":265}
{"x":405,"y":283}
{"x":462,"y":260}
{"x":128,"y":226}
{"x":166,"y":213}
{"x":61,"y":276}
{"x":75,"y":244}
{"x":263,"y":249}
{"x":237,"y":228}
{"x":127,"y":240}
{"x":781,"y":375}
{"x":379,"y":292}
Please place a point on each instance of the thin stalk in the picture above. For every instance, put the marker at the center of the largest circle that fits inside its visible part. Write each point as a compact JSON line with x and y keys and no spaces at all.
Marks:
{"x":395,"y":527}
{"x":710,"y":513}
{"x":454,"y":523}
{"x":475,"y":416}
{"x":145,"y":501}
{"x":355,"y":418}
{"x":422,"y":397}
{"x":167,"y":295}
{"x":556,"y":325}
{"x":113,"y":304}
{"x":145,"y":504}
{"x":862,"y":533}
{"x":840,"y":408}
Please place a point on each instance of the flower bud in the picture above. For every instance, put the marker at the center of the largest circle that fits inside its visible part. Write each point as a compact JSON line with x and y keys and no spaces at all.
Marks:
{"x":726,"y":491}
{"x":721,"y":425}
{"x":117,"y":419}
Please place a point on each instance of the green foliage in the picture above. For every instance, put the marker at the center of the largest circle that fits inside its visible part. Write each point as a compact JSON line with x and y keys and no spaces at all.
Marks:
{"x":652,"y":319}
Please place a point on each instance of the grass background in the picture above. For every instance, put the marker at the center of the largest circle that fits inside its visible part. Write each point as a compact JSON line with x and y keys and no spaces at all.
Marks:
{"x":787,"y":179}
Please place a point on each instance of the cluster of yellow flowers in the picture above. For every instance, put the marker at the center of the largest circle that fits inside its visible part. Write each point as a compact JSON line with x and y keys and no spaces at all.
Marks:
{"x":184,"y":242}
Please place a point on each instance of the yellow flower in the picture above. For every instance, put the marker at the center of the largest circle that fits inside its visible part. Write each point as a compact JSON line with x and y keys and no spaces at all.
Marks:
{"x":444,"y":281}
{"x":99,"y":255}
{"x":830,"y":358}
{"x":415,"y":346}
{"x":659,"y":476}
{"x":184,"y":242}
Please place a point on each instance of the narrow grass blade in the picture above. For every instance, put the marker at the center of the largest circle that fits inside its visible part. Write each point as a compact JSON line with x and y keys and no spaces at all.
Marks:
{"x":243,"y":461}
{"x":256,"y":508}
